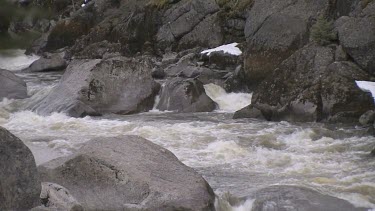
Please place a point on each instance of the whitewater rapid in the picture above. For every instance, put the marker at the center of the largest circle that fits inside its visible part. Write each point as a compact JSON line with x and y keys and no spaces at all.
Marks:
{"x":236,"y":157}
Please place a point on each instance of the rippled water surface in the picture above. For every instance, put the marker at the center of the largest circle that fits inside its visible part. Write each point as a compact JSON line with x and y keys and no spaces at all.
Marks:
{"x":236,"y":156}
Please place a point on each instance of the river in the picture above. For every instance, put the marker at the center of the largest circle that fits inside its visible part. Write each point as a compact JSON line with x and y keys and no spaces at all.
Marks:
{"x":235,"y":156}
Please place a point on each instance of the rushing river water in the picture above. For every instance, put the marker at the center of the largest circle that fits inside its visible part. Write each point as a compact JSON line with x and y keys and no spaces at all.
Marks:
{"x":235,"y":156}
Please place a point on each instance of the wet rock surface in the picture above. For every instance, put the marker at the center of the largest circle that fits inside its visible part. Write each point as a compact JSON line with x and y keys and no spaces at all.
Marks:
{"x":129,"y":173}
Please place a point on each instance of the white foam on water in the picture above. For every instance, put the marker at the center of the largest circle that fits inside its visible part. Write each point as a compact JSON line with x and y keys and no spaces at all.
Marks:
{"x":15,"y":59}
{"x":227,"y":102}
{"x":229,"y":48}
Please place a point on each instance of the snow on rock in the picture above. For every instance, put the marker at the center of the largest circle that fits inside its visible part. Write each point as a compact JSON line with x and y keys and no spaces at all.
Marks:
{"x":367,"y":86}
{"x":229,"y":48}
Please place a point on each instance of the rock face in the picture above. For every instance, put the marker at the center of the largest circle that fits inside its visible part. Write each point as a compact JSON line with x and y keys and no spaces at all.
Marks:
{"x":185,"y":17}
{"x":90,"y":87}
{"x":11,"y":86}
{"x":54,"y":63}
{"x":129,"y":173}
{"x":19,"y":180}
{"x":311,"y":86}
{"x":185,"y":95}
{"x":357,"y":36}
{"x":275,"y":29}
{"x":298,"y":198}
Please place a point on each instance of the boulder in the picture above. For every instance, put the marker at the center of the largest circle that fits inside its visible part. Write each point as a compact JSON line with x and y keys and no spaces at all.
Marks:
{"x":52,"y":63}
{"x":357,"y":36}
{"x":19,"y":180}
{"x":367,"y":118}
{"x":311,"y":86}
{"x":274,"y":30}
{"x":181,"y":19}
{"x":249,"y":111}
{"x":298,"y":198}
{"x":92,"y":87}
{"x":185,"y":95}
{"x":11,"y":86}
{"x":129,"y":173}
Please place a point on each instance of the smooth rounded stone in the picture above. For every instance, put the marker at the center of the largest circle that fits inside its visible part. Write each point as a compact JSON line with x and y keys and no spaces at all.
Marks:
{"x":11,"y":86}
{"x":249,"y":112}
{"x":367,"y":118}
{"x":185,"y":95}
{"x":129,"y":173}
{"x":286,"y":198}
{"x":311,"y":86}
{"x":94,"y":87}
{"x":19,"y":180}
{"x":53,"y":63}
{"x":357,"y":36}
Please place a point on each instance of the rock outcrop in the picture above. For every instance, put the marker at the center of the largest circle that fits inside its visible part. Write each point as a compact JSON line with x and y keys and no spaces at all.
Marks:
{"x":274,"y":31}
{"x":311,"y":86}
{"x":298,"y":198}
{"x":185,"y":95}
{"x":91,"y":87}
{"x":11,"y":86}
{"x":357,"y":36}
{"x":19,"y":180}
{"x":129,"y":173}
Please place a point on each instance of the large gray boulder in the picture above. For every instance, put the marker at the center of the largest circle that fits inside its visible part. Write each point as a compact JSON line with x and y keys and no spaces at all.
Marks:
{"x":90,"y":87}
{"x":274,"y":30}
{"x":311,"y":86}
{"x":185,"y":95}
{"x":11,"y":86}
{"x":129,"y":173}
{"x":357,"y":36}
{"x":19,"y":180}
{"x":283,"y":198}
{"x":52,"y":63}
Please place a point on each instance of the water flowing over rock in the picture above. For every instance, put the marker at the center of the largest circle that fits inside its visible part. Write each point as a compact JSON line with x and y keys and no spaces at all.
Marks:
{"x":311,"y":86}
{"x":298,"y":198}
{"x":11,"y":86}
{"x":129,"y":173}
{"x":19,"y":180}
{"x":90,"y":87}
{"x":185,"y":95}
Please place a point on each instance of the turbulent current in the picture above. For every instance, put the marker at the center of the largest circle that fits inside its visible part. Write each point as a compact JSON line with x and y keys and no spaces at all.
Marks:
{"x":236,"y":157}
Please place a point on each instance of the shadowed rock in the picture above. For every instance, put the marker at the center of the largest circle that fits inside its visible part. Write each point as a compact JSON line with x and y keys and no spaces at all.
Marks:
{"x":11,"y":86}
{"x":19,"y":180}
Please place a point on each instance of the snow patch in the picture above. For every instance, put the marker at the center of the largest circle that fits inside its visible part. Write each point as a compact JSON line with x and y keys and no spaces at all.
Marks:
{"x":229,"y":48}
{"x":367,"y":86}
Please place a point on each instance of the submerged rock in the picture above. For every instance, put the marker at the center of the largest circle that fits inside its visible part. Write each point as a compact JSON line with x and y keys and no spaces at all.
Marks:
{"x":11,"y":86}
{"x":298,"y":198}
{"x":91,"y":87}
{"x":185,"y":95}
{"x":129,"y":173}
{"x":19,"y":179}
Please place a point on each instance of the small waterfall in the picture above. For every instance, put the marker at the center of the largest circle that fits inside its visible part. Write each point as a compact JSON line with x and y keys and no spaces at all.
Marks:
{"x":15,"y":59}
{"x":228,"y":102}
